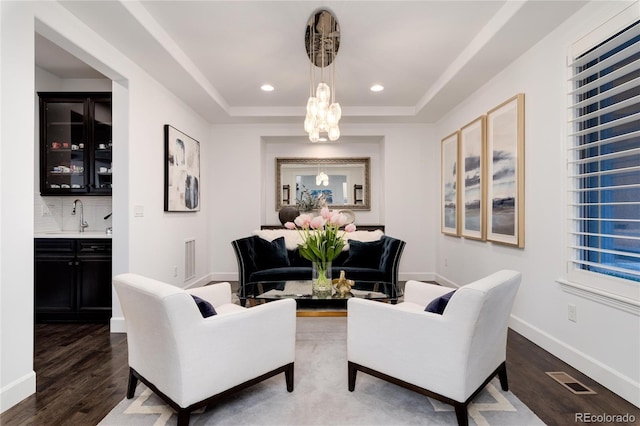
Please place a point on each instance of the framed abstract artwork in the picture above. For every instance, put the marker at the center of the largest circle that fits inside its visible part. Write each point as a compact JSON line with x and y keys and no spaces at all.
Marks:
{"x":505,"y":172}
{"x":181,"y":171}
{"x":472,"y":188}
{"x":449,"y":190}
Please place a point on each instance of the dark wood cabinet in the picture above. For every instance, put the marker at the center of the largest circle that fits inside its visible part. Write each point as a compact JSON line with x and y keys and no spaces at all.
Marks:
{"x":75,"y":143}
{"x":72,"y":280}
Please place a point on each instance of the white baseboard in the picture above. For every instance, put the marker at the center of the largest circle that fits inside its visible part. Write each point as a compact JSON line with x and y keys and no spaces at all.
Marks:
{"x":224,"y":276}
{"x":418,"y":276}
{"x":200,"y":282}
{"x":616,"y":382}
{"x":444,"y":281}
{"x":116,"y":325}
{"x":16,"y":391}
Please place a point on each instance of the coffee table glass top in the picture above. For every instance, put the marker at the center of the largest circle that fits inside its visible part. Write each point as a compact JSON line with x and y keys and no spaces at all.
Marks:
{"x":301,"y":291}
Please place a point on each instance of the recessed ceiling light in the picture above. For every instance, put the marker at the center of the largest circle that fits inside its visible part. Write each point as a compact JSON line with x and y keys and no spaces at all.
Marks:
{"x":267,"y":88}
{"x":377,"y":88}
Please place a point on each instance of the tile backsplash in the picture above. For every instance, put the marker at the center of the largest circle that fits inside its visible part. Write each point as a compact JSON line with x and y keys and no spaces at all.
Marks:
{"x":54,"y":213}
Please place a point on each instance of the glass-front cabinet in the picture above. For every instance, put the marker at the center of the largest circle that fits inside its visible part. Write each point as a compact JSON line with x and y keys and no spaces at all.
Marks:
{"x":75,"y":143}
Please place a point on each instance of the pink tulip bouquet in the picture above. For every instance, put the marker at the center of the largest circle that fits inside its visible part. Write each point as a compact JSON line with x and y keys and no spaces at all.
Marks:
{"x":322,"y":236}
{"x":322,"y":243}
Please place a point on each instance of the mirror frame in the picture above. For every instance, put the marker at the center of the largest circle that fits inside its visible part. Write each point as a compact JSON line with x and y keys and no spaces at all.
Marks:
{"x":366,"y":191}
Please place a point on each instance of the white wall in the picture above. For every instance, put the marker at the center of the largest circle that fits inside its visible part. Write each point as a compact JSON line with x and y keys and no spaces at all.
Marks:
{"x":17,"y":378}
{"x":604,"y":342}
{"x":149,"y":245}
{"x":404,"y":186}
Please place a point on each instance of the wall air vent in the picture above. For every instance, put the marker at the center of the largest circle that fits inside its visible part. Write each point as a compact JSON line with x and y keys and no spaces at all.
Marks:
{"x":570,"y":383}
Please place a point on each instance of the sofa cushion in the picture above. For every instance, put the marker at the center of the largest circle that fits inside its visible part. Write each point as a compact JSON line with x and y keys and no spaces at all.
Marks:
{"x":438,"y":304}
{"x":206,"y":309}
{"x":270,"y":254}
{"x":364,"y":254}
{"x":281,"y":274}
{"x":298,"y":261}
{"x":358,"y":274}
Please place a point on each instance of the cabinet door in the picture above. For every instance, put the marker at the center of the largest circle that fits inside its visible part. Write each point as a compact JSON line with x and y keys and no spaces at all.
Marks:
{"x":94,"y":285}
{"x":63,"y":147}
{"x":101,"y":131}
{"x":75,"y":143}
{"x":94,"y":279}
{"x":54,"y":285}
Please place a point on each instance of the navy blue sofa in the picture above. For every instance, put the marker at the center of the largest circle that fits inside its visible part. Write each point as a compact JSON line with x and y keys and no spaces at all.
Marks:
{"x":262,"y":260}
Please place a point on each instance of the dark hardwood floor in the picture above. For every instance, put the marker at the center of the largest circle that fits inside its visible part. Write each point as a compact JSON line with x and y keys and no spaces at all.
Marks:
{"x":82,"y":374}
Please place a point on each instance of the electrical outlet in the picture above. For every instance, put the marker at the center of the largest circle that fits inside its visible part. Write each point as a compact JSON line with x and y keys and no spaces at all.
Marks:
{"x":573,"y":314}
{"x":138,"y":211}
{"x":446,"y":262}
{"x":45,"y":210}
{"x":175,"y":271}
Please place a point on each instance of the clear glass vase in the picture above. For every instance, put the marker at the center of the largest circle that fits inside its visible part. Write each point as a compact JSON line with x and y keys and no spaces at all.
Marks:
{"x":321,"y":279}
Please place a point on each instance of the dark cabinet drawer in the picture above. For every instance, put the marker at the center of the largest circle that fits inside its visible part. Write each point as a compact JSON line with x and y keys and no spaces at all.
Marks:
{"x":55,"y":245}
{"x":98,"y":246}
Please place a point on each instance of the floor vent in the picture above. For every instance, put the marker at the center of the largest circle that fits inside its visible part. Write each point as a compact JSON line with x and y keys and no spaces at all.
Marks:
{"x":570,"y":383}
{"x":189,"y":259}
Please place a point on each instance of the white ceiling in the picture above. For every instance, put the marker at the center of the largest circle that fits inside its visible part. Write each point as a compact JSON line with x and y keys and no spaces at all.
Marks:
{"x":429,"y":55}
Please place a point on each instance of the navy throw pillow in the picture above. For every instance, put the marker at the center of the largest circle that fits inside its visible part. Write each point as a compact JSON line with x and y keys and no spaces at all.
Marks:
{"x":270,"y":254}
{"x":206,"y":309}
{"x":438,"y":304}
{"x":364,"y":254}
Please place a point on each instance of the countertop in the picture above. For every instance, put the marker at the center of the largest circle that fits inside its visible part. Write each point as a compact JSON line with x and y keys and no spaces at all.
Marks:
{"x":72,"y":234}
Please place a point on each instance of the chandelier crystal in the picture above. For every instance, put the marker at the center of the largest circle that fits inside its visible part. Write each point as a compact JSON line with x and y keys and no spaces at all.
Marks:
{"x":322,"y":40}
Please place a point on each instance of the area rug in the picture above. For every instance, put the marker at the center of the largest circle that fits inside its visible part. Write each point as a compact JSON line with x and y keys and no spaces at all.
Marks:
{"x":321,"y":397}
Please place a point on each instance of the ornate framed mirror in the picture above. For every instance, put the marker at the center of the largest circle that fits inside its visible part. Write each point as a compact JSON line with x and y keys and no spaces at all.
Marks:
{"x":340,"y":183}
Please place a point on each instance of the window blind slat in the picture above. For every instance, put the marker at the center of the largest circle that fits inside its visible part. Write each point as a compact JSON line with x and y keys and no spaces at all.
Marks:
{"x":621,"y":253}
{"x":606,"y":94}
{"x":611,"y":108}
{"x":576,"y":219}
{"x":605,"y":157}
{"x":609,"y":62}
{"x":606,"y":188}
{"x":604,"y":205}
{"x":617,"y":237}
{"x":606,"y":79}
{"x":609,"y":45}
{"x":607,"y":172}
{"x":599,"y":142}
{"x":635,"y":274}
{"x":613,"y":123}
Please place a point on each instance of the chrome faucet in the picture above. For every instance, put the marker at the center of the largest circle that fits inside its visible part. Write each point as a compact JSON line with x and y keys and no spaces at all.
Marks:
{"x":83,"y":223}
{"x":109,"y":230}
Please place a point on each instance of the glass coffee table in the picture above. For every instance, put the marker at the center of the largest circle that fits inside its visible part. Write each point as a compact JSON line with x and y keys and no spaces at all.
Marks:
{"x":310,"y":304}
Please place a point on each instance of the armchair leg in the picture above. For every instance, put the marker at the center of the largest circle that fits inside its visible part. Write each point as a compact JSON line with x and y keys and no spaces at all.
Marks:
{"x":133,"y":382}
{"x":352,"y":371}
{"x":183,"y":418}
{"x":288,"y":376}
{"x":502,"y":375}
{"x":461,"y":414}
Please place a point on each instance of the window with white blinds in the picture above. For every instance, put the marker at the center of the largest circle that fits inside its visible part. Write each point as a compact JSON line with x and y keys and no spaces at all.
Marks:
{"x":604,"y":158}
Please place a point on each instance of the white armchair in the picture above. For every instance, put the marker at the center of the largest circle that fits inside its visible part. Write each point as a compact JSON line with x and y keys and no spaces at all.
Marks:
{"x":190,"y":361}
{"x":449,"y":357}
